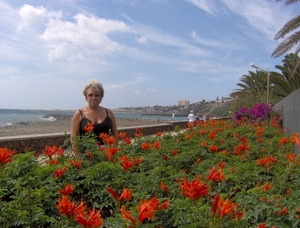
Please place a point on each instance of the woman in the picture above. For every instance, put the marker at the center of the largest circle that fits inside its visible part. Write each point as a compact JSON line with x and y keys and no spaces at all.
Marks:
{"x":102,"y":118}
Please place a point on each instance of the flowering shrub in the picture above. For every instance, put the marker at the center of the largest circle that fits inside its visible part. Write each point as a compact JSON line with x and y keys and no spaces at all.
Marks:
{"x":213,"y":174}
{"x":259,"y":112}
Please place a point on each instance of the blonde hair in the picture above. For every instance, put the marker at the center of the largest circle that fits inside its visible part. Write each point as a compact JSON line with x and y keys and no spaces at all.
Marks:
{"x":95,"y":85}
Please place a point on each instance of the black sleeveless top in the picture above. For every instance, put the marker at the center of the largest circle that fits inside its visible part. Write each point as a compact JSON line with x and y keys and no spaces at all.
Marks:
{"x":102,"y":127}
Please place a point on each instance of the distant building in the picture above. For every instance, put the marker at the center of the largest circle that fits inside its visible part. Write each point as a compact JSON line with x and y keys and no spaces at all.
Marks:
{"x":226,"y":99}
{"x":184,"y":103}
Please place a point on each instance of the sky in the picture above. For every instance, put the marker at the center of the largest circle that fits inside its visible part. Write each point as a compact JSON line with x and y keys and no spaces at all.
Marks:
{"x":143,"y":52}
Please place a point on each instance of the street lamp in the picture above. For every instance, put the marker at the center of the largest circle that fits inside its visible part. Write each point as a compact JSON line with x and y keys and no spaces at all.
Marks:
{"x":268,"y":78}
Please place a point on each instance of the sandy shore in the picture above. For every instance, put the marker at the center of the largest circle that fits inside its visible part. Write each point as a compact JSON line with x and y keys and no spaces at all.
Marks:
{"x":62,"y":125}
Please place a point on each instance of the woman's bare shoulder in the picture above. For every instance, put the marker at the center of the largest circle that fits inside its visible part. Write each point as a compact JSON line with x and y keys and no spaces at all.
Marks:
{"x":77,"y":114}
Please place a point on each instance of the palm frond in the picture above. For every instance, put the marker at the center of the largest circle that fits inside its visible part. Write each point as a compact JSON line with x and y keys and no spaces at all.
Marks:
{"x":288,"y":27}
{"x":288,"y":2}
{"x":287,"y":44}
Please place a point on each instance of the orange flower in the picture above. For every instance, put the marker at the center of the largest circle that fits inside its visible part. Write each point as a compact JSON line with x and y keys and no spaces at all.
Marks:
{"x":139,"y":132}
{"x":267,"y":161}
{"x":212,"y":135}
{"x":52,"y":162}
{"x":60,"y":152}
{"x":146,"y":209}
{"x":283,"y":140}
{"x":127,"y":214}
{"x":75,"y":164}
{"x":194,"y":189}
{"x":50,"y":151}
{"x":139,"y":129}
{"x":164,"y":205}
{"x":122,"y":135}
{"x":156,"y":145}
{"x":216,"y":176}
{"x":103,"y":136}
{"x":188,"y":136}
{"x":137,"y":161}
{"x":164,"y":187}
{"x":296,"y":139}
{"x":190,"y":126}
{"x":110,"y":140}
{"x":113,"y":193}
{"x":202,"y":132}
{"x":126,"y":195}
{"x":259,"y":131}
{"x":174,"y":152}
{"x":93,"y":219}
{"x":241,"y":148}
{"x":66,"y":207}
{"x":111,"y":151}
{"x":221,"y":164}
{"x":60,"y":172}
{"x":89,"y":154}
{"x":67,"y":191}
{"x":145,"y":146}
{"x":263,"y":225}
{"x":127,"y":141}
{"x":291,"y":157}
{"x":80,"y":209}
{"x":203,"y":144}
{"x":213,"y":148}
{"x":224,"y":152}
{"x":283,"y":211}
{"x":215,"y":203}
{"x":225,"y":207}
{"x":126,"y":163}
{"x":158,"y":134}
{"x":266,"y":187}
{"x":89,"y":127}
{"x":259,"y":140}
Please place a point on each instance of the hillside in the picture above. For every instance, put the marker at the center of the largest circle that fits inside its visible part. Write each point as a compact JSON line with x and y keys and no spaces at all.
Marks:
{"x":217,"y":109}
{"x":213,"y":109}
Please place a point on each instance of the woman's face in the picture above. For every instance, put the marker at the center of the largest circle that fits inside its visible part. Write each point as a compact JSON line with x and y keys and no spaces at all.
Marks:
{"x":93,"y":97}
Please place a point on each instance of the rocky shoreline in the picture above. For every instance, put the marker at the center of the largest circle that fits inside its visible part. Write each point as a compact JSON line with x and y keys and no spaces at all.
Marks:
{"x":59,"y":123}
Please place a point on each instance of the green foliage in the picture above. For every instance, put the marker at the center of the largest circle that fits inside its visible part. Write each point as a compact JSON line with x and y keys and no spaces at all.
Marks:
{"x":29,"y":189}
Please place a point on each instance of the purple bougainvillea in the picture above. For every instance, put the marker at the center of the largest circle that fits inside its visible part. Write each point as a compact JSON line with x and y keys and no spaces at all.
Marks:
{"x":259,"y":112}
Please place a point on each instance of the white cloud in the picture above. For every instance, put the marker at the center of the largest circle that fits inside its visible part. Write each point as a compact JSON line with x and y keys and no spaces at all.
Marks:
{"x":86,"y":36}
{"x":205,"y":5}
{"x":213,"y":43}
{"x":261,"y":15}
{"x":151,"y":89}
{"x":35,"y":16}
{"x":142,"y":40}
{"x":137,"y":92}
{"x":165,"y":39}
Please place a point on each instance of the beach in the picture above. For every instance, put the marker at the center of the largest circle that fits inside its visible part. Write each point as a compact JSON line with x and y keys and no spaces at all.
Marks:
{"x":63,"y":124}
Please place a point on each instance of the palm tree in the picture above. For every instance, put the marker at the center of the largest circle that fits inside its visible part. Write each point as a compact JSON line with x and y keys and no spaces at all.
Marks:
{"x":293,"y":39}
{"x":253,"y":90}
{"x":284,"y":83}
{"x":252,"y":86}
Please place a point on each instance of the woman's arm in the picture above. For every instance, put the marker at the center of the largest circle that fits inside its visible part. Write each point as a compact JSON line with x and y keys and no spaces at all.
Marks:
{"x":75,"y":125}
{"x":114,"y":129}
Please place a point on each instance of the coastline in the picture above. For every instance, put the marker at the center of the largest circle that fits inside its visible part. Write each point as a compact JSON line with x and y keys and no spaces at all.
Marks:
{"x":62,"y":125}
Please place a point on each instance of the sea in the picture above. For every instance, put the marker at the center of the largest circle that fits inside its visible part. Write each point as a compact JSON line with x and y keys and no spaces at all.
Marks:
{"x":13,"y":116}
